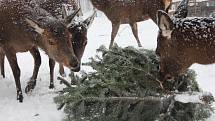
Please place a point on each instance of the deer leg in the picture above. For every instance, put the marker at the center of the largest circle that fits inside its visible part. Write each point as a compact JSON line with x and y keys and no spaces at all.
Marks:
{"x":51,"y":66}
{"x":37,"y":62}
{"x":115,"y":28}
{"x":16,"y":73}
{"x":61,"y":70}
{"x":2,"y":56}
{"x":135,"y":32}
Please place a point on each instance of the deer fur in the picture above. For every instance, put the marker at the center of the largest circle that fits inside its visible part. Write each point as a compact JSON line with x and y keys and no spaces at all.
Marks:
{"x":183,"y":42}
{"x":130,"y":12}
{"x":79,"y":38}
{"x":24,"y":28}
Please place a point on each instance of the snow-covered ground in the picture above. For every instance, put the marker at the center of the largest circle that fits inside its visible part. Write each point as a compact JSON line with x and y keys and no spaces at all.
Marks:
{"x":39,"y":105}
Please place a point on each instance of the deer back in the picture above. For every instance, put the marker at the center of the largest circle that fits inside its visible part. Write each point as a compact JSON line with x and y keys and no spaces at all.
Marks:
{"x":131,"y":10}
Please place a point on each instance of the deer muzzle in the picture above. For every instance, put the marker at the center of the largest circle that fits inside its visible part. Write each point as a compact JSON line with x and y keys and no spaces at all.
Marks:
{"x":72,"y":63}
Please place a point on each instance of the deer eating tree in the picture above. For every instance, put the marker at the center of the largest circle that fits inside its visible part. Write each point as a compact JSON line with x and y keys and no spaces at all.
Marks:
{"x":183,"y":42}
{"x":131,"y":12}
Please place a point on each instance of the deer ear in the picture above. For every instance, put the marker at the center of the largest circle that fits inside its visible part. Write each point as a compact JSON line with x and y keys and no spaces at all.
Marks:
{"x":164,"y":23}
{"x":182,"y":9}
{"x":67,"y":16}
{"x":34,"y":25}
{"x":70,"y":17}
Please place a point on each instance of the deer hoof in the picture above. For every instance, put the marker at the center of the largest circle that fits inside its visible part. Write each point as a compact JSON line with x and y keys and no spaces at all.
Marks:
{"x":3,"y":76}
{"x":20,"y":97}
{"x":30,"y":86}
{"x":140,"y":45}
{"x":51,"y":86}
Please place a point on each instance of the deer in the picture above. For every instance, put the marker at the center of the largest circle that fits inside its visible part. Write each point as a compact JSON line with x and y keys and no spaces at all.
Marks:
{"x":78,"y":39}
{"x":77,"y":29}
{"x":182,"y":42}
{"x":25,"y":28}
{"x":130,"y":12}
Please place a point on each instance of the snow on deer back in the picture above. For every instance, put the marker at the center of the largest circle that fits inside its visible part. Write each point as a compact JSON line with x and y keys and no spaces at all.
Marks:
{"x":183,"y":42}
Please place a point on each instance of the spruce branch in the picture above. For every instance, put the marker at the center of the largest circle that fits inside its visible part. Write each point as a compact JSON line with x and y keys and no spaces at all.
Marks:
{"x":171,"y":106}
{"x":150,"y":98}
{"x":147,"y":74}
{"x":119,"y":54}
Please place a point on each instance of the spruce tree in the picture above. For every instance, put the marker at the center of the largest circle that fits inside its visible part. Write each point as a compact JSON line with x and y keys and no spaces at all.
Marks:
{"x":125,"y":86}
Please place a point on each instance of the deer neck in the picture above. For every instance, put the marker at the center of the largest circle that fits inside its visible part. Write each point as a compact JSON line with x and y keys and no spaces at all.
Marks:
{"x":41,"y":42}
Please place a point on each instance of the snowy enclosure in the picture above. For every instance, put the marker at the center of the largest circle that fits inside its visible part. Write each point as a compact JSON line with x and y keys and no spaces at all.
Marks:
{"x":39,"y":105}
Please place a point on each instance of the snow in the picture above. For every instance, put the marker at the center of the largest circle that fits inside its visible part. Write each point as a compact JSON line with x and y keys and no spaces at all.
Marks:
{"x":192,"y":97}
{"x":39,"y":105}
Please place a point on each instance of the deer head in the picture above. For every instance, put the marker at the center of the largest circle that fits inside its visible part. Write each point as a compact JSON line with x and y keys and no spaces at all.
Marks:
{"x":165,"y":45}
{"x":79,"y":32}
{"x":55,"y":40}
{"x":77,"y":27}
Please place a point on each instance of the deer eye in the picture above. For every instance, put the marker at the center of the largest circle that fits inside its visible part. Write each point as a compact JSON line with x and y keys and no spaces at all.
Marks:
{"x":52,"y":42}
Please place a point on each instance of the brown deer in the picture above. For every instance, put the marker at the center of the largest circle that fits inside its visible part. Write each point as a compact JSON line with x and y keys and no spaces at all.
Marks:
{"x":24,"y":28}
{"x":79,"y":38}
{"x":184,"y":41}
{"x":130,"y":11}
{"x":77,"y":29}
{"x":58,"y":10}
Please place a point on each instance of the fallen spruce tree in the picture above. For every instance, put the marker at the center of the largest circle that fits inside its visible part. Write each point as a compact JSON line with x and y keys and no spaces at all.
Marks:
{"x":125,"y":87}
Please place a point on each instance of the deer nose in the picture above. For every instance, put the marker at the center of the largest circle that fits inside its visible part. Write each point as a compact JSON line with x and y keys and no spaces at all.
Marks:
{"x":165,"y":77}
{"x":168,"y":77}
{"x":75,"y":64}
